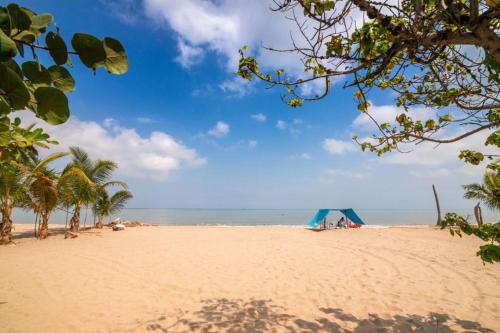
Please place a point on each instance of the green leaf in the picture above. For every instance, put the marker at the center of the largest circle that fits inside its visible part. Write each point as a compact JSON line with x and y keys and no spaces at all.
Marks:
{"x":36,"y":73}
{"x":7,"y":47}
{"x":42,"y":21}
{"x":57,"y":48}
{"x":14,"y":66}
{"x":90,"y":50}
{"x":493,"y":139}
{"x":15,"y":91}
{"x":61,"y":78}
{"x":20,"y":20}
{"x":116,"y":59}
{"x":52,"y":105}
{"x":4,"y":107}
{"x":5,"y":21}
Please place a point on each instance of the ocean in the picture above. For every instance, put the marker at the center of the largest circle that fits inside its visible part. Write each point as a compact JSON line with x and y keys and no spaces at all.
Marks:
{"x":249,"y":217}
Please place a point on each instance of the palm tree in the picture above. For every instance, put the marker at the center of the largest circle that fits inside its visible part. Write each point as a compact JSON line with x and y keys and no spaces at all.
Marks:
{"x":42,"y":192}
{"x":105,"y":206}
{"x":11,"y":192}
{"x":14,"y":178}
{"x":80,"y":181}
{"x":488,"y":192}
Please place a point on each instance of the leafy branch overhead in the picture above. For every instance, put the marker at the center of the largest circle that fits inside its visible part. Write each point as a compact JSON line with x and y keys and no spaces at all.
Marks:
{"x":441,"y":55}
{"x":42,"y":89}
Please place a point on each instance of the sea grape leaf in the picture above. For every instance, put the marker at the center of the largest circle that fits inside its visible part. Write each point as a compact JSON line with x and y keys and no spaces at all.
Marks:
{"x":61,"y":78}
{"x":36,"y":73}
{"x":5,"y":21}
{"x":57,"y":48}
{"x":90,"y":50}
{"x":15,"y":67}
{"x":41,"y":21}
{"x":7,"y":47}
{"x":52,"y":105}
{"x":19,"y":18}
{"x":15,"y":91}
{"x":116,"y":58}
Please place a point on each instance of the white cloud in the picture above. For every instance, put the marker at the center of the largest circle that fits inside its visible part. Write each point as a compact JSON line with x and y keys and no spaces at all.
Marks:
{"x":236,"y":86}
{"x":252,"y":144}
{"x":220,"y":130}
{"x":431,"y":154}
{"x":295,"y":127}
{"x":338,"y":147}
{"x":156,"y":156}
{"x":349,"y":173}
{"x":224,"y":26}
{"x":303,"y":156}
{"x":188,"y":55}
{"x":260,"y":117}
{"x":388,"y":113}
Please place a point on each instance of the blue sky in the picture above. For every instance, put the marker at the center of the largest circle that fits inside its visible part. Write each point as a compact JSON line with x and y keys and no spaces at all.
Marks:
{"x":188,"y":133}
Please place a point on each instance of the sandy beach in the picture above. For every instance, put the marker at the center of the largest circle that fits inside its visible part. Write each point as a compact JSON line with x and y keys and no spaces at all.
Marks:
{"x":247,"y":279}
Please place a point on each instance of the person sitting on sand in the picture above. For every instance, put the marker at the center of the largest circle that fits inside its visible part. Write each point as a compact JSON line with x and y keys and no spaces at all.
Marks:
{"x":341,"y":223}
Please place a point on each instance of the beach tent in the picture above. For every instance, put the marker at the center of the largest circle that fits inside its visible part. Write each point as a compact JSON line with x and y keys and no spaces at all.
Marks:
{"x":349,"y":213}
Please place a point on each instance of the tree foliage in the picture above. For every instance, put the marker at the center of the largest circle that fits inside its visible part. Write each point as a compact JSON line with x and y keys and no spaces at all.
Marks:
{"x":443,"y":55}
{"x":488,"y":232}
{"x":27,"y":84}
{"x":488,"y":192}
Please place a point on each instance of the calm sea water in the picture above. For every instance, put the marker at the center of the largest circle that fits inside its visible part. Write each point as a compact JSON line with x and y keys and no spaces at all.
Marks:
{"x":247,"y":217}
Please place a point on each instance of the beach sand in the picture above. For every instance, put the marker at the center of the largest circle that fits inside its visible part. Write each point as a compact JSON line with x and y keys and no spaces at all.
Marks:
{"x":247,"y":279}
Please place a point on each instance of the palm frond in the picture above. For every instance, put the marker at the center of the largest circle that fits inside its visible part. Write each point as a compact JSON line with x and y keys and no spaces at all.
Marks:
{"x":118,"y":201}
{"x":102,"y":170}
{"x":44,"y":162}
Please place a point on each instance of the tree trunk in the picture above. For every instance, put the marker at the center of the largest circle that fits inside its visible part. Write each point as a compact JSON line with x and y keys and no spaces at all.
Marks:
{"x":67,"y":213}
{"x":6,"y":225}
{"x":36,"y":223}
{"x":85,"y":220}
{"x":44,"y":226}
{"x":478,"y":214}
{"x":74,"y":223}
{"x":100,"y":222}
{"x":437,"y":205}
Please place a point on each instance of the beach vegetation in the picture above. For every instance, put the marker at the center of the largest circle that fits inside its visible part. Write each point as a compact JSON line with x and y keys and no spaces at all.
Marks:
{"x":107,"y":205}
{"x":488,"y":192}
{"x":35,"y":75}
{"x":488,"y":232}
{"x":83,"y":180}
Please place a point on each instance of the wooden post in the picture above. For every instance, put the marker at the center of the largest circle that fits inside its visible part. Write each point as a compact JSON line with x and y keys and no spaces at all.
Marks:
{"x":478,"y":214}
{"x":437,"y":205}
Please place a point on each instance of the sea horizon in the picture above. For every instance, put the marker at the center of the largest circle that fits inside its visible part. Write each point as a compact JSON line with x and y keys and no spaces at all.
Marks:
{"x":259,"y":216}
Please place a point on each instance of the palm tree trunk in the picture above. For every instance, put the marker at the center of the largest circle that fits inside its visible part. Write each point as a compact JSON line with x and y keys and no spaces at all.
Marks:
{"x":44,"y":226}
{"x":67,"y":213}
{"x":74,"y":223}
{"x":6,"y":225}
{"x":85,"y":220}
{"x":437,"y":205}
{"x":36,"y":223}
{"x":100,"y":222}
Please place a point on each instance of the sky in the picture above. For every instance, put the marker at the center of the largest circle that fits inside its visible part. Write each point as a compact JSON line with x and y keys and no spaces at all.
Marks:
{"x":187,"y":133}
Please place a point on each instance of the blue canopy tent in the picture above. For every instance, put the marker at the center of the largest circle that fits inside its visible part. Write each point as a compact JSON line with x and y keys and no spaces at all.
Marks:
{"x":349,"y":213}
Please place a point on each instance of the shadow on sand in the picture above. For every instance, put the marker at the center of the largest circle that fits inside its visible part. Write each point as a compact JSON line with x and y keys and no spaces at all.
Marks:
{"x":238,"y":316}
